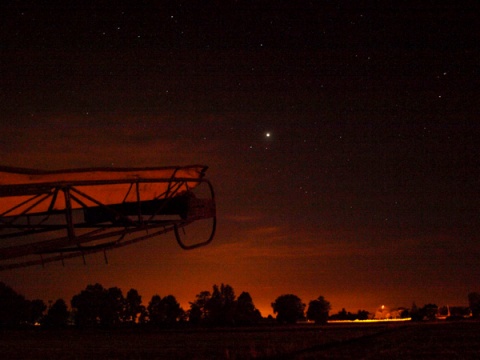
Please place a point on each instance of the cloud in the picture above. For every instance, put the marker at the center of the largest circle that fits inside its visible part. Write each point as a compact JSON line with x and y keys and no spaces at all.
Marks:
{"x":104,"y":140}
{"x":241,"y":218}
{"x":266,"y":231}
{"x":276,"y":242}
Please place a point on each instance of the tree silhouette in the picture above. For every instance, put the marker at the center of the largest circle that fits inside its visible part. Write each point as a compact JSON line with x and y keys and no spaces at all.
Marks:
{"x":318,"y":310}
{"x":57,"y":315}
{"x":221,"y":306}
{"x":362,"y":314}
{"x":96,"y":305}
{"x":172,"y":310}
{"x":133,"y":306}
{"x":195,"y":314}
{"x":198,"y":309}
{"x":87,"y":305}
{"x":344,"y":315}
{"x":245,"y":312}
{"x":154,"y":310}
{"x":112,"y":308}
{"x":36,"y":308}
{"x":289,"y":308}
{"x":427,"y":312}
{"x":474,"y":303}
{"x":14,"y":309}
{"x":164,"y":312}
{"x":341,"y":315}
{"x":415,"y":313}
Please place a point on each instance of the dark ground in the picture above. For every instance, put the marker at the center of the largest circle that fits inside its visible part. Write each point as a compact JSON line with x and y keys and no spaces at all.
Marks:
{"x":446,"y":340}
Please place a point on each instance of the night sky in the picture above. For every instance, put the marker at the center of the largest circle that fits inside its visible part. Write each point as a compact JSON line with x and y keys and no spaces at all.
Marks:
{"x":341,"y":140}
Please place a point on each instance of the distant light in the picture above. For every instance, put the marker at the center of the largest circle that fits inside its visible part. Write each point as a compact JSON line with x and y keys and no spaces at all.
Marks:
{"x":268,"y":134}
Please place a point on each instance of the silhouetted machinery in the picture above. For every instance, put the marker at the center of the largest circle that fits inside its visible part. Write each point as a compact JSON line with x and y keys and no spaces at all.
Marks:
{"x":53,"y":215}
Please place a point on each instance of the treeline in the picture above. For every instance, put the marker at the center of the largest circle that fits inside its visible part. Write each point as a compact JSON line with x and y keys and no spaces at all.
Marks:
{"x":99,"y":306}
{"x":109,"y":307}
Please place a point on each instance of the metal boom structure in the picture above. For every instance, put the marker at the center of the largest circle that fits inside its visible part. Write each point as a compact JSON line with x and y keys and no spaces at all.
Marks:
{"x":55,"y":215}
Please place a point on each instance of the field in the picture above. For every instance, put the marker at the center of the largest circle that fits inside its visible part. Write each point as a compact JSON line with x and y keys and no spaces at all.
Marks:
{"x":442,"y":340}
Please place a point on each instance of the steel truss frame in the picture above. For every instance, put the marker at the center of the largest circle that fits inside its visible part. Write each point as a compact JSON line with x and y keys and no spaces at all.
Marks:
{"x":117,"y":225}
